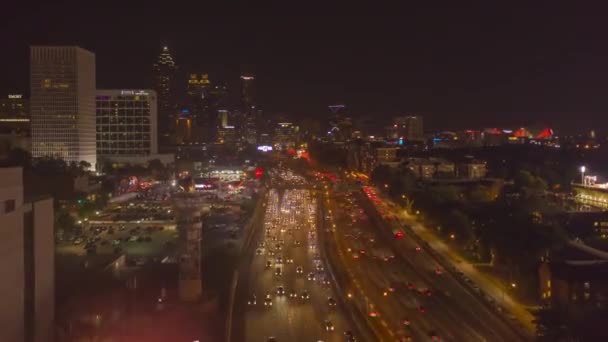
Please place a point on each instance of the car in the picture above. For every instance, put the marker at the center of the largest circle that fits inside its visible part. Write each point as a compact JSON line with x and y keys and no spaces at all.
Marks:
{"x":438,"y":271}
{"x":259,"y":251}
{"x":410,"y":286}
{"x":293,"y":294}
{"x":289,"y":261}
{"x":305,"y":295}
{"x":278,"y":272}
{"x":268,"y":300}
{"x":331,"y":302}
{"x":299,"y":270}
{"x":406,"y":322}
{"x":320,"y":268}
{"x":434,"y":336}
{"x":328,"y":325}
{"x":418,"y":249}
{"x":421,"y":309}
{"x":349,"y":336}
{"x":252,"y":300}
{"x":425,"y":292}
{"x":268,"y":264}
{"x":271,"y":339}
{"x":311,"y":276}
{"x":280,"y":291}
{"x":279,"y":260}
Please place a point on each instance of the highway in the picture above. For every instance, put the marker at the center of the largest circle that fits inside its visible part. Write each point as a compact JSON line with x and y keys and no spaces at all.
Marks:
{"x":288,"y":241}
{"x":411,"y":295}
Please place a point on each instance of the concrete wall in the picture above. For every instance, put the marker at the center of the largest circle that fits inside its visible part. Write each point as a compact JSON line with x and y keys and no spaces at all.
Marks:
{"x":11,"y":256}
{"x":44,"y":268}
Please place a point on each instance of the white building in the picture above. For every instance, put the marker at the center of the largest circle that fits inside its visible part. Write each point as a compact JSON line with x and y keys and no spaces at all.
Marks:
{"x":62,"y":104}
{"x":27,"y":263}
{"x":127,"y":126}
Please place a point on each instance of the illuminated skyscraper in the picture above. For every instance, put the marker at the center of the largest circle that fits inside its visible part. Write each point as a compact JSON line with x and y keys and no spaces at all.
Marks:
{"x":247,"y":91}
{"x":62,"y":104}
{"x":164,"y":85}
{"x":198,"y":107}
{"x":406,"y":127}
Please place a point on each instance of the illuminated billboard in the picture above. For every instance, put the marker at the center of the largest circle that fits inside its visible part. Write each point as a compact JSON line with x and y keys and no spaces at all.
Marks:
{"x":265,"y":148}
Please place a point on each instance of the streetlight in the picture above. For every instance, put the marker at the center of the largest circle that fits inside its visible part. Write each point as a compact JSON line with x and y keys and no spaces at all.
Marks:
{"x":583,"y":169}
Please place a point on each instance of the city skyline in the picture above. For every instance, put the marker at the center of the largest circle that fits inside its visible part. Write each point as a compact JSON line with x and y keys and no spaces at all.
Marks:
{"x":454,"y":66}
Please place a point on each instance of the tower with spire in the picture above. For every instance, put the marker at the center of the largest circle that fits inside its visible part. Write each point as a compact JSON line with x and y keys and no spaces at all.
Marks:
{"x":164,"y":70}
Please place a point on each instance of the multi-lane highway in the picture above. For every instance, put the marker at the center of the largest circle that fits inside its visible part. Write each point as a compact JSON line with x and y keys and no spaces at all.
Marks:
{"x":405,"y":293}
{"x":286,"y":293}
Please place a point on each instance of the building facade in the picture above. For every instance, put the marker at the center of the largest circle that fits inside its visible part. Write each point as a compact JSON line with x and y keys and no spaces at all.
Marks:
{"x":247,"y":91}
{"x":14,"y":123}
{"x":62,"y":104}
{"x":28,"y":263}
{"x":285,"y":136}
{"x":14,"y":114}
{"x":126,"y":123}
{"x":164,"y":84}
{"x":406,"y":127}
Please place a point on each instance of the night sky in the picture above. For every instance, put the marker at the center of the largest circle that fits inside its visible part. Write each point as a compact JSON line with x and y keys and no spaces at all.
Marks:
{"x":482,"y":65}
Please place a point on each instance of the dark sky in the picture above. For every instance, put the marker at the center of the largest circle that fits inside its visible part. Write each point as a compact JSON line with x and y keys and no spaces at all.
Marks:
{"x":460,"y":65}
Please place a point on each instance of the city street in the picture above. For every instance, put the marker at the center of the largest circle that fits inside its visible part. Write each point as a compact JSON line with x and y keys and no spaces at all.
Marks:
{"x":294,"y":300}
{"x":408,"y":294}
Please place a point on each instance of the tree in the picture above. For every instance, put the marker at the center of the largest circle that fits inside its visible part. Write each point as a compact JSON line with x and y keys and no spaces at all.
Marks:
{"x":84,"y":165}
{"x":444,"y":194}
{"x":156,"y":165}
{"x":481,"y":193}
{"x":381,"y":175}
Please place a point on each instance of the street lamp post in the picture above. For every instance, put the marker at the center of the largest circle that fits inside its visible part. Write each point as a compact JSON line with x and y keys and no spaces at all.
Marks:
{"x":583,"y":169}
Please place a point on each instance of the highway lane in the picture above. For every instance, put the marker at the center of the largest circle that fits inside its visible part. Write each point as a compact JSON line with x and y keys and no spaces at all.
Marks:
{"x":290,"y":219}
{"x":451,"y":311}
{"x":453,"y":302}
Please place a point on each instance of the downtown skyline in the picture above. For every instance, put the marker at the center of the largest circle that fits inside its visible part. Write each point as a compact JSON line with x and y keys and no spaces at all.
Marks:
{"x":458,"y":68}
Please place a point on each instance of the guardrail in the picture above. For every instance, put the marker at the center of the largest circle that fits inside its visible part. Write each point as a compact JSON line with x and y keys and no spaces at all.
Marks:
{"x":249,"y":233}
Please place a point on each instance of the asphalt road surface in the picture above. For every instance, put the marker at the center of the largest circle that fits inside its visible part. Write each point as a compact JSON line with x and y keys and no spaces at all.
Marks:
{"x":288,"y":241}
{"x":411,"y":294}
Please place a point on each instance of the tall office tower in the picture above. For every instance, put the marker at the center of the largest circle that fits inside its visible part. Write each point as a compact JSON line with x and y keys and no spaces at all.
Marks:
{"x":197,"y":108}
{"x":406,"y":127}
{"x":164,"y":84}
{"x":340,"y":126}
{"x":27,"y":264}
{"x":414,"y":129}
{"x":285,"y":136}
{"x":247,"y":91}
{"x":126,"y":125}
{"x":62,"y":104}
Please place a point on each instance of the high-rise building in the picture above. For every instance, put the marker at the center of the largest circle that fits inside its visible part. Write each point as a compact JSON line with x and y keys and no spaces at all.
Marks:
{"x":126,"y":125}
{"x":164,"y":84}
{"x":14,"y":123}
{"x":27,"y":264}
{"x":340,"y":126}
{"x":197,"y":110}
{"x":285,"y":136}
{"x":14,"y":114}
{"x":407,"y":127}
{"x":62,"y":104}
{"x":247,"y":91}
